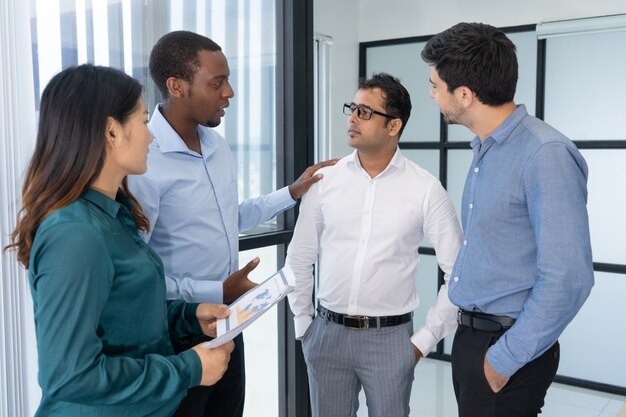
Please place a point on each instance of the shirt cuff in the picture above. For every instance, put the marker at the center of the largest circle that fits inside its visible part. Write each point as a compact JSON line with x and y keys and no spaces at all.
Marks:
{"x":283,"y":199}
{"x":301,"y":324}
{"x":500,"y":361}
{"x":424,"y":340}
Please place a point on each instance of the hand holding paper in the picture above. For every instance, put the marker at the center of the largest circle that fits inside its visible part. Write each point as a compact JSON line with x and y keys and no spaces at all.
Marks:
{"x":214,"y":362}
{"x":252,"y":305}
{"x":207,"y":315}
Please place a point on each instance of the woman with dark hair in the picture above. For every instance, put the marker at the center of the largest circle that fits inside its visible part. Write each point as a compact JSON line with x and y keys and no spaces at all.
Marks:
{"x":102,"y":322}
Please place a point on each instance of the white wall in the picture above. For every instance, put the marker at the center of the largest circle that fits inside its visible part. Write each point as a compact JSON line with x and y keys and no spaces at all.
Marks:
{"x":349,"y":22}
{"x":403,"y":18}
{"x":339,"y":20}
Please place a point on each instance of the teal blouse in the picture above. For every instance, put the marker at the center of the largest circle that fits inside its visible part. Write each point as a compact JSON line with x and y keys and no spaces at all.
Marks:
{"x":102,"y":322}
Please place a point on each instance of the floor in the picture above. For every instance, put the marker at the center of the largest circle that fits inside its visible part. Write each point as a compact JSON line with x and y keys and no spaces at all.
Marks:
{"x":433,"y":396}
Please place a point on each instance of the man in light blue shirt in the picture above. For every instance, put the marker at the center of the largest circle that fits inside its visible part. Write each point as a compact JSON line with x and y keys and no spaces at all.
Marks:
{"x":189,"y":194}
{"x":525,"y":267}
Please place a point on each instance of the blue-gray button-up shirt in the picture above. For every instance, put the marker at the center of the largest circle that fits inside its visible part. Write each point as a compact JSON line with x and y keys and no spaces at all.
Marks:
{"x":195,"y":218}
{"x":526,"y":251}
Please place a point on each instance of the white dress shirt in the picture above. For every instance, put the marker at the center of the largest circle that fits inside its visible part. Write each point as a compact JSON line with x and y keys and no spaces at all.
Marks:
{"x":366,"y":232}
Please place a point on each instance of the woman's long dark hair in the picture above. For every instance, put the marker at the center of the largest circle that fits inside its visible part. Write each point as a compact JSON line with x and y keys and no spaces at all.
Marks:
{"x":71,"y":145}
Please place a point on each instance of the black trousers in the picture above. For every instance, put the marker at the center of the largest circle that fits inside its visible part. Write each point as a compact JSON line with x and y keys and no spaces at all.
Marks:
{"x":226,"y":397}
{"x":522,"y":396}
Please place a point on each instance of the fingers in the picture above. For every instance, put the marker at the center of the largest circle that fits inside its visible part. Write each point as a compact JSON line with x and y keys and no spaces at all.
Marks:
{"x":209,"y":329}
{"x":212,"y":311}
{"x":228,"y":347}
{"x":324,"y":164}
{"x":250,"y":266}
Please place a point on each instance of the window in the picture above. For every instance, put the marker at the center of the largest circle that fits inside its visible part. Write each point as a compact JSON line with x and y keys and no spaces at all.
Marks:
{"x":572,"y":65}
{"x":256,"y":36}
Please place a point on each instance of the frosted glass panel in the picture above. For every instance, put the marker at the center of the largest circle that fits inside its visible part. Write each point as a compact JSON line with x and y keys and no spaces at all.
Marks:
{"x":585,"y":85}
{"x":459,"y":133}
{"x":459,"y":162}
{"x":592,"y":346}
{"x":404,"y":62}
{"x":426,"y":279}
{"x":427,"y":289}
{"x":607,"y":204}
{"x":261,"y":343}
{"x":425,"y":158}
{"x":526,"y":44}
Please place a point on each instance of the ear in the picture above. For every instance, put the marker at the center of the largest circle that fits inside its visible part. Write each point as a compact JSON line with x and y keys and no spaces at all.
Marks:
{"x":177,"y":87}
{"x":464,"y":95}
{"x":394,"y":126}
{"x":112,"y":132}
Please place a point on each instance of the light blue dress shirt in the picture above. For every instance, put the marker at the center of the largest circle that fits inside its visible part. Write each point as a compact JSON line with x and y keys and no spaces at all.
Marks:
{"x":526,"y":251}
{"x":192,"y":204}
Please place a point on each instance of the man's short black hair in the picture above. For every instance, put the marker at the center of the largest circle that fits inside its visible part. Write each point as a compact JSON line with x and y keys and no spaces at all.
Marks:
{"x":478,"y":56}
{"x":397,"y":98}
{"x":176,"y":55}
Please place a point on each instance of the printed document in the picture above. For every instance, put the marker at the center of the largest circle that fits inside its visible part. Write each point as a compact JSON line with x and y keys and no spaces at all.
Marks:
{"x":252,"y":305}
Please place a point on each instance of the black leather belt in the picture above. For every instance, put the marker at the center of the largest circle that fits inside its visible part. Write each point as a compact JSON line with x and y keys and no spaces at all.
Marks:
{"x":484,"y":322}
{"x":363,"y":322}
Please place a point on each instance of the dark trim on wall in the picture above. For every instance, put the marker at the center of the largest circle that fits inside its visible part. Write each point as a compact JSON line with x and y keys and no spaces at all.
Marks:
{"x":600,"y":144}
{"x":296,"y":128}
{"x":611,"y":268}
{"x":597,"y":386}
{"x":265,"y":239}
{"x":541,"y":80}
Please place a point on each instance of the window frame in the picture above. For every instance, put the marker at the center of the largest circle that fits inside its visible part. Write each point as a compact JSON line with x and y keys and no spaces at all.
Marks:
{"x":443,"y":146}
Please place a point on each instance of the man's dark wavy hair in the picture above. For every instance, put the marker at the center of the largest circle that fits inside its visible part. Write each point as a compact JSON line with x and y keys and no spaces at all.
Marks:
{"x":397,"y":98}
{"x":478,"y":56}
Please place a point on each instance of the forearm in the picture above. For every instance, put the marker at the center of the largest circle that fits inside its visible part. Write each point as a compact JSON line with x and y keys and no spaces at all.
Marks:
{"x":255,"y":211}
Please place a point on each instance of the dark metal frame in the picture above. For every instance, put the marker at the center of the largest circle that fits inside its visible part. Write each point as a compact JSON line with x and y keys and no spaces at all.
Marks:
{"x":295,"y":152}
{"x":442,"y":145}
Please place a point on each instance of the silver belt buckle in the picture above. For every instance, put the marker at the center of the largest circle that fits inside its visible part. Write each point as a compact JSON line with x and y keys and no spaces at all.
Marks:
{"x":364,"y":321}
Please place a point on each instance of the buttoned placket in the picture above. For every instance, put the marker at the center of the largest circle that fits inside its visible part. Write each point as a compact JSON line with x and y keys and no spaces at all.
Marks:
{"x":366,"y":228}
{"x":233,"y":243}
{"x":480,"y":153}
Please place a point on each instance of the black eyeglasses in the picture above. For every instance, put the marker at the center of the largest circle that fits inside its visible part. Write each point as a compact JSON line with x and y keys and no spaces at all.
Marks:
{"x":363,"y":112}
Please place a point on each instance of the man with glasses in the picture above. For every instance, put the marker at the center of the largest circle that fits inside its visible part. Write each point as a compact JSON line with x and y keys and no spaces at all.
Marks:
{"x":189,"y":194}
{"x":365,"y":220}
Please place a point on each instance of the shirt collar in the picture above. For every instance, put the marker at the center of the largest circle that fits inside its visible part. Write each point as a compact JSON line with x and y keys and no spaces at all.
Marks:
{"x":169,"y":140}
{"x":396,"y":163}
{"x":110,"y":207}
{"x":503,"y":131}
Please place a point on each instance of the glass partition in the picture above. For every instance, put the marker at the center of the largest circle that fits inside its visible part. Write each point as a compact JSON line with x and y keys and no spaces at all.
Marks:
{"x":584,"y":85}
{"x":554,"y":80}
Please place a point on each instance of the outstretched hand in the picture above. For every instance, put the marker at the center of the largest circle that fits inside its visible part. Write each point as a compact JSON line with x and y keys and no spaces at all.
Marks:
{"x":238,"y":283}
{"x":307,"y":179}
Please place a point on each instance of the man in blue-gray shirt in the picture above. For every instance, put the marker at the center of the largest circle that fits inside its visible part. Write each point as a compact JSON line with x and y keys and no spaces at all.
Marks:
{"x":189,"y":194}
{"x":525,"y":266}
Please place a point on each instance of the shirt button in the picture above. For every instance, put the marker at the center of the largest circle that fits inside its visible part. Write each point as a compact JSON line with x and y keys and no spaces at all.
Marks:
{"x":456,"y":279}
{"x":471,"y":205}
{"x":465,"y":242}
{"x":476,"y":169}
